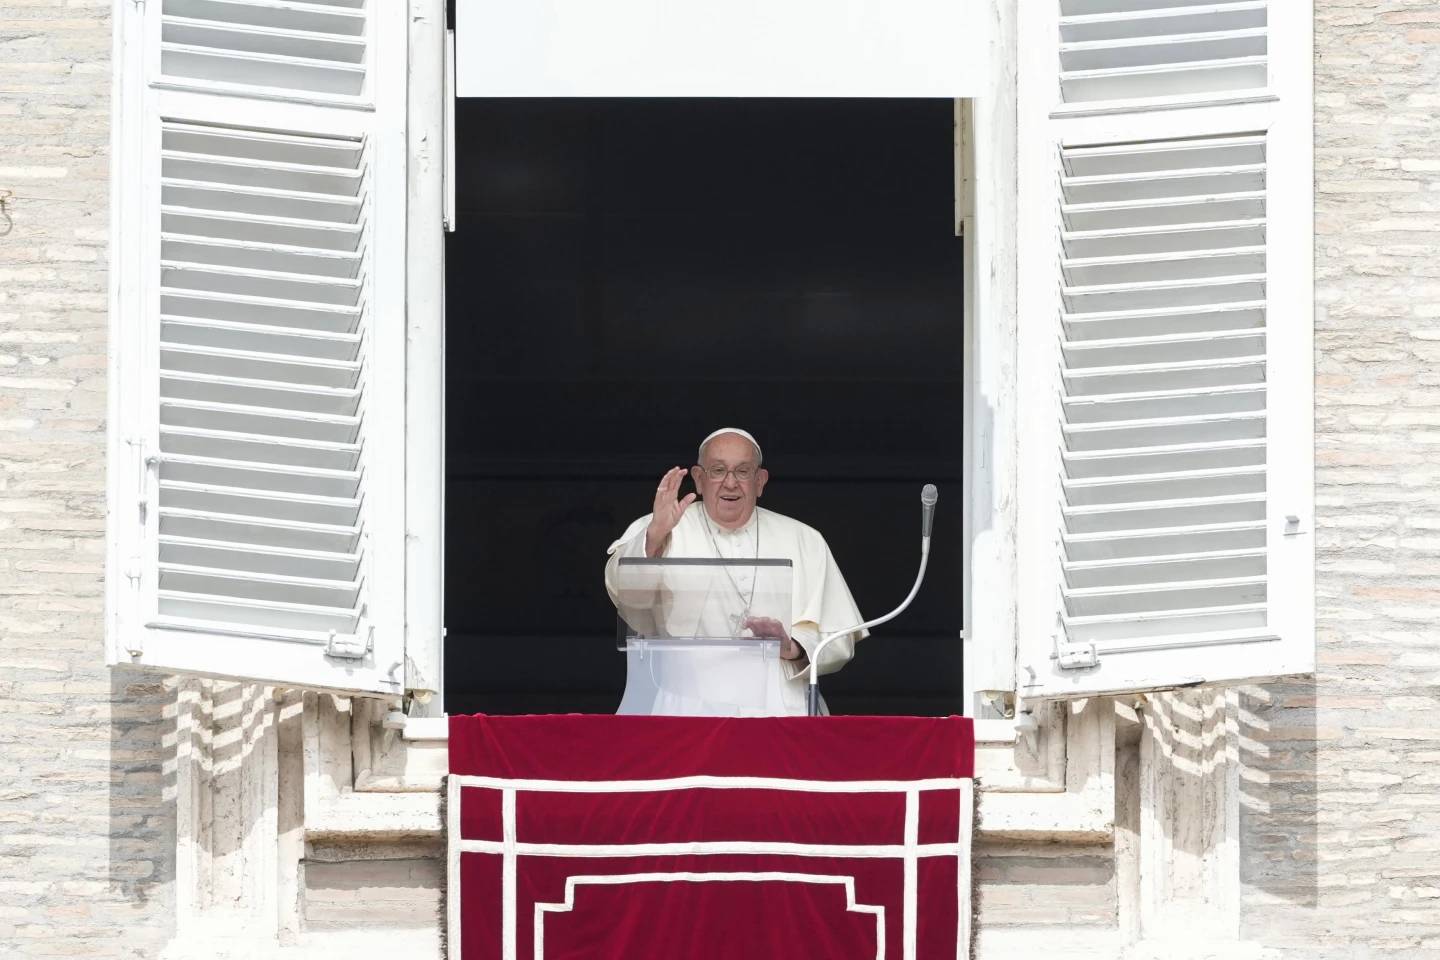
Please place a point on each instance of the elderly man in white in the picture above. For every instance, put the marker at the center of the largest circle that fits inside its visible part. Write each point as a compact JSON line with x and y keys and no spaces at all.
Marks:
{"x":727,"y":523}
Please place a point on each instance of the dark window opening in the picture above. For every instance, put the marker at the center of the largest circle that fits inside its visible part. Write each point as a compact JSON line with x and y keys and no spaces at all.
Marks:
{"x":629,"y":275}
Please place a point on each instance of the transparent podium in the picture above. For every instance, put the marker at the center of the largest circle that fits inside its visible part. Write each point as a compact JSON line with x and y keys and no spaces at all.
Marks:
{"x":688,"y":627}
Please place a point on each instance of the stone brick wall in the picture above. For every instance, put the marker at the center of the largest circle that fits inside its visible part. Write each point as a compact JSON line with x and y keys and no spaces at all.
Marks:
{"x":353,"y":893}
{"x":1342,"y":793}
{"x":86,"y":843}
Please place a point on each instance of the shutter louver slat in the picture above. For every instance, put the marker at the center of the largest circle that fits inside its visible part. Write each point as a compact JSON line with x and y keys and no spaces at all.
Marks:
{"x":1133,"y":271}
{"x":1131,"y":598}
{"x":1178,"y":212}
{"x":243,"y":254}
{"x":1162,"y":459}
{"x":267,"y":284}
{"x":185,"y":32}
{"x":1103,"y":381}
{"x":1138,"y":50}
{"x":1106,"y":325}
{"x":1162,"y":406}
{"x":1164,"y":486}
{"x":265,"y":450}
{"x":241,"y":390}
{"x":234,"y":144}
{"x":1144,"y":543}
{"x":261,"y":421}
{"x":1159,"y":52}
{"x":1139,"y":21}
{"x":218,"y":197}
{"x":1135,"y":433}
{"x":321,"y":483}
{"x":269,"y":586}
{"x":1148,"y":631}
{"x":276,"y":231}
{"x":230,"y":615}
{"x":1081,"y":8}
{"x":1090,"y":244}
{"x":278,"y":367}
{"x":1164,"y":157}
{"x":320,"y":15}
{"x":263,"y":534}
{"x":192,"y":552}
{"x":305,"y":171}
{"x":1161,"y":347}
{"x":202,"y":305}
{"x":318,"y":345}
{"x":225,"y":417}
{"x":258,"y":71}
{"x":1157,"y":515}
{"x":1159,"y":293}
{"x":1140,"y":570}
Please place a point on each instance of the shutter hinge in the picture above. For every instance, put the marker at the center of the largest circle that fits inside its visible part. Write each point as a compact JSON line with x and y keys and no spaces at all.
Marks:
{"x":135,"y":564}
{"x":351,"y":646}
{"x":1069,"y":654}
{"x":133,"y":639}
{"x":149,"y":467}
{"x":1076,"y":656}
{"x":146,"y":465}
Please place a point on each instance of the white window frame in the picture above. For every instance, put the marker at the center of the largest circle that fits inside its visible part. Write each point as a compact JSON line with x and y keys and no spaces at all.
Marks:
{"x":994,"y":492}
{"x":988,"y":212}
{"x":431,"y":147}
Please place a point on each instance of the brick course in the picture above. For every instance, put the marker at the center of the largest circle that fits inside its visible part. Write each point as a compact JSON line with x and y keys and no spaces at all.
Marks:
{"x":1340,"y":802}
{"x":86,"y":839}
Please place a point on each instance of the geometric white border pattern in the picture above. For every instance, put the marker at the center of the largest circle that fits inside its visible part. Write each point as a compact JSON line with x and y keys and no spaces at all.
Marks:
{"x":687,"y":877}
{"x":909,"y":851}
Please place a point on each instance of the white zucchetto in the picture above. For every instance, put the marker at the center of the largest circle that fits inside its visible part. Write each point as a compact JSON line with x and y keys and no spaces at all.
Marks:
{"x":700,"y":455}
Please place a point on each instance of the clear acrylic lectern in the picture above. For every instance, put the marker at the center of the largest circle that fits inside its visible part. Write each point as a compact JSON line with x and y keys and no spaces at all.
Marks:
{"x":689,"y":631}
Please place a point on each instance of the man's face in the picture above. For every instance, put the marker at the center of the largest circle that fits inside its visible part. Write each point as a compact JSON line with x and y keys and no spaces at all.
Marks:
{"x":729,"y":500}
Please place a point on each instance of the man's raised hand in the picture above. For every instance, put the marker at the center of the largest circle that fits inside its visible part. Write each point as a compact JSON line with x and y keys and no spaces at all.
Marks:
{"x":667,"y":511}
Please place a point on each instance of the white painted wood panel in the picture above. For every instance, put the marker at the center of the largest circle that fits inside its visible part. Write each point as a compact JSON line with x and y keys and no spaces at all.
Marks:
{"x":800,"y":48}
{"x":1164,"y":325}
{"x":257,"y":523}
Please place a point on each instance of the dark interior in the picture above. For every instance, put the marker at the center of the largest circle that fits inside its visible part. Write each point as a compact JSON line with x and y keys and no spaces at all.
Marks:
{"x":629,"y":275}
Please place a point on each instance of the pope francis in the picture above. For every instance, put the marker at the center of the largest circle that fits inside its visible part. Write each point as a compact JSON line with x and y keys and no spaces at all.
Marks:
{"x":727,"y":523}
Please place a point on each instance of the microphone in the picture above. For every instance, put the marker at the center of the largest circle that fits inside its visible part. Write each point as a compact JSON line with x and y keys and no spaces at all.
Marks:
{"x":928,"y":496}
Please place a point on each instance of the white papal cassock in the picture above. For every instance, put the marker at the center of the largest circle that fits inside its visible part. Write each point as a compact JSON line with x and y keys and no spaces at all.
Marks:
{"x":722,"y":682}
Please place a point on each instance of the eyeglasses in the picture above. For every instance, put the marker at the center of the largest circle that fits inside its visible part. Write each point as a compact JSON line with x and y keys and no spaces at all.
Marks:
{"x":743,"y":473}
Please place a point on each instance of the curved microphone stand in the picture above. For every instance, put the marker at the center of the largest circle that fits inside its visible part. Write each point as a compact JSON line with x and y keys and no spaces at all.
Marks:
{"x":928,"y":496}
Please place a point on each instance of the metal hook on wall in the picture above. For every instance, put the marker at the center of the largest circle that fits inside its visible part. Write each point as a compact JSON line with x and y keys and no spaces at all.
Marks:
{"x":5,"y":197}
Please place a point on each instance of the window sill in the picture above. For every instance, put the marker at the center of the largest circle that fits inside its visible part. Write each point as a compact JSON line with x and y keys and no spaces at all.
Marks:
{"x":427,"y":728}
{"x":438,"y":728}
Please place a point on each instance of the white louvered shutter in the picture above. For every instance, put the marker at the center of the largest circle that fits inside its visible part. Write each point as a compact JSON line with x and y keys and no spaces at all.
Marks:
{"x":1164,"y":312}
{"x":257,"y":440}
